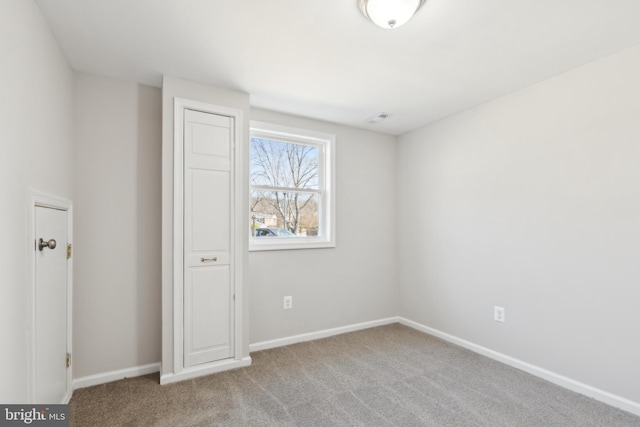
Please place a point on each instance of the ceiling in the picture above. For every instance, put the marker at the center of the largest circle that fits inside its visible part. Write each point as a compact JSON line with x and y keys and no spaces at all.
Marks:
{"x":324,"y":60}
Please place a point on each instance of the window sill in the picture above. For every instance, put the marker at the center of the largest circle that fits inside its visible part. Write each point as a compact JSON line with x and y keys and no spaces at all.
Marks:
{"x":282,"y":244}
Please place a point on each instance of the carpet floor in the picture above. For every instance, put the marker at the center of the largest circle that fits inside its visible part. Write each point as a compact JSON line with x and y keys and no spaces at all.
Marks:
{"x":385,"y":376}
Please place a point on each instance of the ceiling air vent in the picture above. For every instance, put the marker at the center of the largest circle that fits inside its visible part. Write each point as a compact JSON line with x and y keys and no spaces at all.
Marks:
{"x":377,"y":118}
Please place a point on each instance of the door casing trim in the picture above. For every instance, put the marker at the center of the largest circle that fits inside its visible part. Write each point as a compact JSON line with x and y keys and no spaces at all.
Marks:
{"x":45,"y":200}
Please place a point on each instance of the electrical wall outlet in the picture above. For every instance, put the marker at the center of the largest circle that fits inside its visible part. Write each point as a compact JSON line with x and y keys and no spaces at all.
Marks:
{"x":288,"y":302}
{"x":498,"y":314}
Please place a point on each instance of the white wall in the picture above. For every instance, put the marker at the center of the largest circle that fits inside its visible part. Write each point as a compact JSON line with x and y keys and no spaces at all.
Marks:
{"x":117,"y":225}
{"x":36,"y":118}
{"x":178,"y":88}
{"x":532,"y":202}
{"x":353,"y":282}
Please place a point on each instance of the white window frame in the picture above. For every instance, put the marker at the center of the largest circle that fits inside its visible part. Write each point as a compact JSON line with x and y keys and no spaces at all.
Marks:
{"x":326,"y":187}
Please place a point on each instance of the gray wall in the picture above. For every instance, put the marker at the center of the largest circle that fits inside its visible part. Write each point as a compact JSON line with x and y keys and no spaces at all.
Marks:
{"x":117,"y":295}
{"x":117,"y":225}
{"x":532,"y":202}
{"x":353,"y":282}
{"x":36,"y":118}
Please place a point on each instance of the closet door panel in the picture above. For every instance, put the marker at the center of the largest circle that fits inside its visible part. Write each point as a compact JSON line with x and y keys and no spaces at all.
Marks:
{"x":208,"y":283}
{"x":208,"y":192}
{"x":208,"y":314}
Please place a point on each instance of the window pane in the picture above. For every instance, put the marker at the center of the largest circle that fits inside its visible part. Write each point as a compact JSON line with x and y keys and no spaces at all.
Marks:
{"x":278,"y":214}
{"x":282,"y":164}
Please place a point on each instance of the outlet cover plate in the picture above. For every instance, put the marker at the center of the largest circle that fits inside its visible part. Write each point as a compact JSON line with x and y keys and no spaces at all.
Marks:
{"x":288,"y":302}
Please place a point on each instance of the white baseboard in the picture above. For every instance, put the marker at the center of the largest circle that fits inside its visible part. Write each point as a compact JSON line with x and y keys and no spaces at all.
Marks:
{"x":108,"y":377}
{"x":208,"y":369}
{"x":561,"y":380}
{"x":294,"y":339}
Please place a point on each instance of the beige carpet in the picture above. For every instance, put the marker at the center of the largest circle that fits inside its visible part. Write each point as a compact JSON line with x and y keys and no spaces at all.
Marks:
{"x":386,"y":376}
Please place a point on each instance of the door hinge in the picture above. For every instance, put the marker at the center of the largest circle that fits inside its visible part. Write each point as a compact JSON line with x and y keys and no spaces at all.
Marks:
{"x":68,"y":250}
{"x":68,"y":359}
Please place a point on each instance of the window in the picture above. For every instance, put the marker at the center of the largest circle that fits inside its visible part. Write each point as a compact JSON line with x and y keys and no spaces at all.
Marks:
{"x":291,"y":196}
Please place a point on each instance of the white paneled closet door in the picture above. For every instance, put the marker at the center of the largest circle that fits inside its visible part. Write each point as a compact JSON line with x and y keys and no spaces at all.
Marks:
{"x":208,"y":251}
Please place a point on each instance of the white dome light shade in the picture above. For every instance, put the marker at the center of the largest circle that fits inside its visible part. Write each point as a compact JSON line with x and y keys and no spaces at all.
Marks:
{"x":389,"y":13}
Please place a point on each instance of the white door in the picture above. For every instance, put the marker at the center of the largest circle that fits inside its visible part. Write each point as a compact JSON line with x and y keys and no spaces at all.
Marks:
{"x":208,"y":188}
{"x":51,"y":293}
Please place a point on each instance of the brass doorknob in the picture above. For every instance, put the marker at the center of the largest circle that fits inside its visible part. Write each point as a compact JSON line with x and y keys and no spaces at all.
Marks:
{"x":51,"y":244}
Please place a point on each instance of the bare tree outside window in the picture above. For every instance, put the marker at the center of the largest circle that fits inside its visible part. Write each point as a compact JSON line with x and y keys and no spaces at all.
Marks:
{"x":284,"y":184}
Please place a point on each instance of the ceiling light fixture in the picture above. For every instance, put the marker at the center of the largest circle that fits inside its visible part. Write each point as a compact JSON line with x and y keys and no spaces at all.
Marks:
{"x":389,"y":13}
